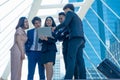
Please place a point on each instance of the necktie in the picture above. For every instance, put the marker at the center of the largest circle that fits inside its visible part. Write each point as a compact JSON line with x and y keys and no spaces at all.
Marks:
{"x":36,"y":41}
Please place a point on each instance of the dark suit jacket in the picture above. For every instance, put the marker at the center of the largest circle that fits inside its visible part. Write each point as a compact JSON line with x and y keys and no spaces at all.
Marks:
{"x":48,"y":45}
{"x":30,"y":35}
{"x":74,"y":24}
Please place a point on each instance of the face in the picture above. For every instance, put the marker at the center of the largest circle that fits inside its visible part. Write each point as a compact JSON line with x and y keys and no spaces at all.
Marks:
{"x":26,"y":24}
{"x":49,"y":22}
{"x":61,"y":18}
{"x":66,"y":10}
{"x":37,"y":24}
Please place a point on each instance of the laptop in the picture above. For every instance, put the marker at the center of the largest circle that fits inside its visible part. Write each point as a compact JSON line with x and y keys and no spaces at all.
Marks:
{"x":45,"y":31}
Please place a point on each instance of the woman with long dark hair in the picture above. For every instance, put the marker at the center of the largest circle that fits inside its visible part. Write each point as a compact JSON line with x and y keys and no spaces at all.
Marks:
{"x":49,"y":49}
{"x":17,"y":50}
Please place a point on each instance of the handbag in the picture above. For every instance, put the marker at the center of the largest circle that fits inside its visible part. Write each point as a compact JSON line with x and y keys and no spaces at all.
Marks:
{"x":109,"y":69}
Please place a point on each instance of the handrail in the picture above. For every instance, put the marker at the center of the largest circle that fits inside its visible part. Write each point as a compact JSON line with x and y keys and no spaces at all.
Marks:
{"x":16,"y":18}
{"x":110,"y":9}
{"x":89,"y":73}
{"x":4,"y":2}
{"x":6,"y":72}
{"x":4,"y":51}
{"x":105,"y":24}
{"x":12,"y":10}
{"x":4,"y":38}
{"x":92,"y":64}
{"x":4,"y":61}
{"x":93,"y":48}
{"x":101,"y":41}
{"x":13,"y":20}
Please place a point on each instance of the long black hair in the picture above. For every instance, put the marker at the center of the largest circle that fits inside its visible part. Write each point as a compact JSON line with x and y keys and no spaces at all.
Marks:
{"x":21,"y":22}
{"x":53,"y":22}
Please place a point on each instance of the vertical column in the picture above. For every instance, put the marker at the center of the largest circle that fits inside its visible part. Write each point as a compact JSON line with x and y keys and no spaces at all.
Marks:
{"x":101,"y":28}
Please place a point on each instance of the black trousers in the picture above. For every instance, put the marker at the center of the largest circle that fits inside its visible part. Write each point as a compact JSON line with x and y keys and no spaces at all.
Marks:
{"x":64,"y":51}
{"x":75,"y":55}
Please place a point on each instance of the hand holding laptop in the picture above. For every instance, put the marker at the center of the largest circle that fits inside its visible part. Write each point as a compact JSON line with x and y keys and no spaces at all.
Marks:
{"x":43,"y":38}
{"x":45,"y":32}
{"x":53,"y":28}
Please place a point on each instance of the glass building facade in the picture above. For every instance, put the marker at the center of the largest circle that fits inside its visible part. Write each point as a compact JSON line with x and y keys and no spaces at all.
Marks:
{"x":113,"y":21}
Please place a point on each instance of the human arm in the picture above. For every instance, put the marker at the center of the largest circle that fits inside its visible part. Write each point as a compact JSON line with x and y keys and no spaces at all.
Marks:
{"x":28,"y":42}
{"x":67,"y":21}
{"x":20,"y":44}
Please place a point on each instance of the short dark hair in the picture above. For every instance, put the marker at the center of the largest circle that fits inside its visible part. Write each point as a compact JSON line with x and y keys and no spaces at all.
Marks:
{"x":61,"y":13}
{"x":70,"y":6}
{"x":21,"y":22}
{"x":35,"y":19}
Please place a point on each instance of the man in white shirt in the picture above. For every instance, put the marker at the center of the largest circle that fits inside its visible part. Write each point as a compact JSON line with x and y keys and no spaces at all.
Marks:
{"x":33,"y":51}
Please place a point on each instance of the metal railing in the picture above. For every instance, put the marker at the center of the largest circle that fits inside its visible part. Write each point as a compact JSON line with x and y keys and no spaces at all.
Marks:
{"x":6,"y":41}
{"x":87,"y":21}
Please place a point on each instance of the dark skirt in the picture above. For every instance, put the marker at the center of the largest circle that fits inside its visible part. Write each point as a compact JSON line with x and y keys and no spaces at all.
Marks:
{"x":49,"y":56}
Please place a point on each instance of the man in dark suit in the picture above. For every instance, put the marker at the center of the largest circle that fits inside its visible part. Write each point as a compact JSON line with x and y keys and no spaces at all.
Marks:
{"x":33,"y":50}
{"x":61,"y":17}
{"x":76,"y":42}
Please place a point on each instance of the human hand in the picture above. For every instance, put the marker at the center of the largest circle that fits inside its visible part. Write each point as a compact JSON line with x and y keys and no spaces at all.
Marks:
{"x":43,"y":38}
{"x":22,"y":56}
{"x":53,"y":28}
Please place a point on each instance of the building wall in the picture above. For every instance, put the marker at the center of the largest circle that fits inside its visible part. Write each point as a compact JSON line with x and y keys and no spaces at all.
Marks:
{"x":114,"y":24}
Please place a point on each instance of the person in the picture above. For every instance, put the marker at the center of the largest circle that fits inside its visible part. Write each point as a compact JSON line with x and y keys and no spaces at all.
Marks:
{"x":76,"y":42}
{"x":61,"y":18}
{"x":18,"y":48}
{"x":33,"y":50}
{"x":48,"y":49}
